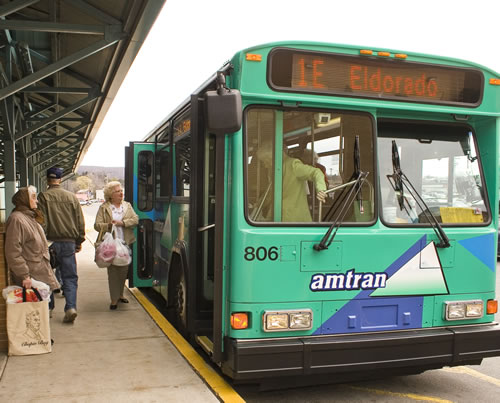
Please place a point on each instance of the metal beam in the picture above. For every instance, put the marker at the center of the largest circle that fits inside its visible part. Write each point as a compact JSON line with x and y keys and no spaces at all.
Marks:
{"x":40,"y":111}
{"x":58,"y":90}
{"x":9,"y":171}
{"x":50,"y":143}
{"x":15,"y":5}
{"x":57,"y":66}
{"x":50,"y":157}
{"x":7,"y":126}
{"x":76,"y":119}
{"x":56,"y":116}
{"x":62,"y":163}
{"x":93,"y":11}
{"x":36,"y":26}
{"x":68,"y":71}
{"x":22,"y":164}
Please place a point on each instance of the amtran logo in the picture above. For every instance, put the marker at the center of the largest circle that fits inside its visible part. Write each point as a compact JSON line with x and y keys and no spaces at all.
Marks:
{"x":363,"y":78}
{"x":348,"y":281}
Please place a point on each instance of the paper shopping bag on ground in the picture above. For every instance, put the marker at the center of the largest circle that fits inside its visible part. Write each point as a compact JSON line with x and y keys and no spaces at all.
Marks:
{"x":28,"y":328}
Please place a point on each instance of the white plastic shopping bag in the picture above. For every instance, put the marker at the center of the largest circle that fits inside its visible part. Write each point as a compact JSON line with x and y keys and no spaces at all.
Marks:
{"x":105,"y":252}
{"x":122,"y":257}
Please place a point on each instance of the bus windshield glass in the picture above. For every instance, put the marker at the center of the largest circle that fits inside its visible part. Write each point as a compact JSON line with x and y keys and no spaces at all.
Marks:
{"x":293,"y":155}
{"x":441,"y":163}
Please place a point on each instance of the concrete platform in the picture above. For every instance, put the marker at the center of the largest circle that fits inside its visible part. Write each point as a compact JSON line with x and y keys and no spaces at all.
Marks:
{"x":104,"y":356}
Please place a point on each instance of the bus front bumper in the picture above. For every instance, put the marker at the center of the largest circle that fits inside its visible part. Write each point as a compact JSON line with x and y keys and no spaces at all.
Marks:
{"x":405,"y":352}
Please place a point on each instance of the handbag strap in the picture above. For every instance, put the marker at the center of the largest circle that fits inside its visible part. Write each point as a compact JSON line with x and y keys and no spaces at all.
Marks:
{"x":36,"y":293}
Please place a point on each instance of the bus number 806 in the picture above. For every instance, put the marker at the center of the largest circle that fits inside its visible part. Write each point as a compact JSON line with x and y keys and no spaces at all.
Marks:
{"x":261,"y":253}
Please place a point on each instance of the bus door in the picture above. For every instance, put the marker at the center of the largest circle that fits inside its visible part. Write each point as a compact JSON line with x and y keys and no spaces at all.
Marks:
{"x":139,"y":191}
{"x":207,"y":236}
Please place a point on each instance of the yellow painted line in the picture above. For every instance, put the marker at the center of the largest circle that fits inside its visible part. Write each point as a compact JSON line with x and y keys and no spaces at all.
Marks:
{"x":412,"y":396}
{"x":474,"y":373}
{"x":217,"y":384}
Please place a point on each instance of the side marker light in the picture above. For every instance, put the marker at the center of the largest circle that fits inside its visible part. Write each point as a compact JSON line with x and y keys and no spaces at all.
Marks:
{"x":492,"y":306}
{"x":495,"y":81}
{"x":239,"y":320}
{"x":254,"y":57}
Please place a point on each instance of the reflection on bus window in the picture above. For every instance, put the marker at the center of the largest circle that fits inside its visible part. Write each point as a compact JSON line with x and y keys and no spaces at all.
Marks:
{"x":293,"y":156}
{"x":163,"y":170}
{"x":145,"y":181}
{"x":182,"y":166}
{"x":441,"y":163}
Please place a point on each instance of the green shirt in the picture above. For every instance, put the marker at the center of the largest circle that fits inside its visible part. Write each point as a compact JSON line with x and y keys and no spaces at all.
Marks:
{"x":295,"y":177}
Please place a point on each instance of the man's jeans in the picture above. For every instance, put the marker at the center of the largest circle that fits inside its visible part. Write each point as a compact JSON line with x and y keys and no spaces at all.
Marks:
{"x":65,"y":252}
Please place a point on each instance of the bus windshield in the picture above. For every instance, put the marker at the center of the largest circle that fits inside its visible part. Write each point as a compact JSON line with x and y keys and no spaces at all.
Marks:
{"x":292,"y":155}
{"x":442,"y":165}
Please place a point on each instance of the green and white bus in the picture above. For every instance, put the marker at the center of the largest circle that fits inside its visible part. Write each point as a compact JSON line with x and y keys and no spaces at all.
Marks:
{"x":326,"y":210}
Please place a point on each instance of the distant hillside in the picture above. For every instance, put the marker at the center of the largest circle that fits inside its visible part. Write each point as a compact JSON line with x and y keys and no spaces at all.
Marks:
{"x":111,"y":172}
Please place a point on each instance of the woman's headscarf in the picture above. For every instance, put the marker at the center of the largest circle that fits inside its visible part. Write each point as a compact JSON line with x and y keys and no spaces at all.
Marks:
{"x":21,"y":200}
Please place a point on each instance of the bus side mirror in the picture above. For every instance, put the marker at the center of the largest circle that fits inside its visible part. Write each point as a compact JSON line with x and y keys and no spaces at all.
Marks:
{"x":223,"y":111}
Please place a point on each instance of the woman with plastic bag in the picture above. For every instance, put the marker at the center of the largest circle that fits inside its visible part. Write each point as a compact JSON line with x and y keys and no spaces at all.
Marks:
{"x":26,"y":247}
{"x":118,"y":217}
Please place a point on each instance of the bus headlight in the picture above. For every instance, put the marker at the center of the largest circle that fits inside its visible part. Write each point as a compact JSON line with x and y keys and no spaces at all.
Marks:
{"x":300,"y":320}
{"x":276,"y":321}
{"x":459,"y":310}
{"x":474,"y":310}
{"x":287,"y":320}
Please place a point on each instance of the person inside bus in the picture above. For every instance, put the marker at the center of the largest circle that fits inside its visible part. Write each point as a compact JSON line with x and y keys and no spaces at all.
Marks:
{"x":310,"y":157}
{"x":295,"y":207}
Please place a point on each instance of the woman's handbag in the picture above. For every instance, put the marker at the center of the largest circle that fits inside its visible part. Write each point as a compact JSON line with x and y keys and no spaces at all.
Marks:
{"x":53,"y":257}
{"x":28,"y":326}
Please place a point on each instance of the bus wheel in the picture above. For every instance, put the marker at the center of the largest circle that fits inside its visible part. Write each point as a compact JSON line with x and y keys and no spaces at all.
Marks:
{"x":177,"y":299}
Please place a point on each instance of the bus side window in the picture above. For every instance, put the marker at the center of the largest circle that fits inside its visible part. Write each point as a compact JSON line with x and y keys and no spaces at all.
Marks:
{"x":145,"y":181}
{"x":183,"y":166}
{"x":163,"y":171}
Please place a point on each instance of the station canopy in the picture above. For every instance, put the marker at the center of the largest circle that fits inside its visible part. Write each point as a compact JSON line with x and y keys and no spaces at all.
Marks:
{"x":62,"y":63}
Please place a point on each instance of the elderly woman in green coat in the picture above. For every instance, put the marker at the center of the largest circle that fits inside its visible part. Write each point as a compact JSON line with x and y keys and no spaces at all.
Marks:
{"x":115,"y":211}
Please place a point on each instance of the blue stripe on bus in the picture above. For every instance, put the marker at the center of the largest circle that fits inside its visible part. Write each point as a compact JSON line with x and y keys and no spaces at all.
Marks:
{"x":483,"y":248}
{"x":363,"y":313}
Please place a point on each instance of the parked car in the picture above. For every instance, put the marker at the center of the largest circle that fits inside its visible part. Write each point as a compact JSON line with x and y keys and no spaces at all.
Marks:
{"x":85,"y":202}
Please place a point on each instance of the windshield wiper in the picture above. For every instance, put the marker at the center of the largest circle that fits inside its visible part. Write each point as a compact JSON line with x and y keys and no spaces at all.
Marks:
{"x":344,"y":200}
{"x":401,"y":181}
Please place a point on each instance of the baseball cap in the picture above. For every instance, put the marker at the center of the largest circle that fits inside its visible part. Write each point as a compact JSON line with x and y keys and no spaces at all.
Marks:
{"x":54,"y":172}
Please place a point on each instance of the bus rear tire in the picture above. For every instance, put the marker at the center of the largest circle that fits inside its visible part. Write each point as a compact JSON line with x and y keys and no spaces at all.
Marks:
{"x":178,"y":300}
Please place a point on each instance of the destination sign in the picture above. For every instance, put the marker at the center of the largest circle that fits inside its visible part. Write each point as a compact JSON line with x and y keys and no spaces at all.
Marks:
{"x":181,"y":127}
{"x":373,"y":77}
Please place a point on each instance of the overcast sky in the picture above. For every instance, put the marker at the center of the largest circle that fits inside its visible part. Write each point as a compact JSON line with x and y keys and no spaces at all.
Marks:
{"x":191,"y":39}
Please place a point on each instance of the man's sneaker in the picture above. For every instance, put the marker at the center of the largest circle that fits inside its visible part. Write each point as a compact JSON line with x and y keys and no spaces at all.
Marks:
{"x":70,"y":315}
